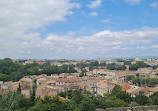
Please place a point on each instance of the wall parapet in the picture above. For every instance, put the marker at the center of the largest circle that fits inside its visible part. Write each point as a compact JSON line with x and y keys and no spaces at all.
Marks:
{"x":137,"y":108}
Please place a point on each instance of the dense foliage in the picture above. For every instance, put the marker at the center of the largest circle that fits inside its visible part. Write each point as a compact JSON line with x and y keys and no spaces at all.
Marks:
{"x":91,"y":65}
{"x":151,"y":82}
{"x":139,"y":64}
{"x":10,"y":70}
{"x":142,"y":81}
{"x":126,"y":62}
{"x":14,"y":101}
{"x":130,"y":77}
{"x":114,"y":66}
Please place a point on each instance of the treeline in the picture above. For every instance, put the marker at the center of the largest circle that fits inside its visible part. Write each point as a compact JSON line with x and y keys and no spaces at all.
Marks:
{"x":92,"y":65}
{"x":115,"y":66}
{"x":150,"y":82}
{"x":137,"y":65}
{"x":95,"y":65}
{"x":79,"y":100}
{"x":126,"y":62}
{"x":10,"y":70}
{"x":143,"y":81}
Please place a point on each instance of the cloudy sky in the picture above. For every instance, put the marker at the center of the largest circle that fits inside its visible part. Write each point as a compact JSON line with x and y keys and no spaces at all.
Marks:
{"x":78,"y":29}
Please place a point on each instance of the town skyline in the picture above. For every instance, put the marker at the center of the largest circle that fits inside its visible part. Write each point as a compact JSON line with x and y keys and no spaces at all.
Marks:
{"x":92,"y":84}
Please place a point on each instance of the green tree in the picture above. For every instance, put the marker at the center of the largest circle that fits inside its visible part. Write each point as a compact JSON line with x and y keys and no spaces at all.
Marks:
{"x":154,"y":98}
{"x":13,"y":101}
{"x":4,"y":77}
{"x":33,"y":97}
{"x":99,"y":102}
{"x":130,"y":77}
{"x":86,"y":104}
{"x":113,"y":101}
{"x":116,"y":89}
{"x":7,"y":66}
{"x":137,"y":75}
{"x":15,"y":76}
{"x":77,"y":96}
{"x":122,"y":95}
{"x":114,"y":66}
{"x":139,"y":64}
{"x":51,"y":104}
{"x":141,"y":99}
{"x":19,"y":88}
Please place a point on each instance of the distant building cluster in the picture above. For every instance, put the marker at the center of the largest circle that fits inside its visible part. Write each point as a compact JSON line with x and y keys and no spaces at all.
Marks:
{"x":97,"y":82}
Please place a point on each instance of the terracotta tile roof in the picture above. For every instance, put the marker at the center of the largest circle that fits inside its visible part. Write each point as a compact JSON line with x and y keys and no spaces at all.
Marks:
{"x":51,"y":81}
{"x":146,"y":89}
{"x":117,"y":82}
{"x":3,"y":92}
{"x":102,"y":86}
{"x":7,"y":83}
{"x":51,"y":87}
{"x":100,"y":70}
{"x":82,"y":84}
{"x":134,"y":91}
{"x":26,"y":79}
{"x":64,"y":99}
{"x":41,"y":63}
{"x":155,"y":89}
{"x":72,"y":79}
{"x":125,"y":87}
{"x":126,"y":72}
{"x":88,"y":88}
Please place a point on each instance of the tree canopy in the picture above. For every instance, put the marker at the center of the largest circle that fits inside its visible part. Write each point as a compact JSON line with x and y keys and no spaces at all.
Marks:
{"x":13,"y":71}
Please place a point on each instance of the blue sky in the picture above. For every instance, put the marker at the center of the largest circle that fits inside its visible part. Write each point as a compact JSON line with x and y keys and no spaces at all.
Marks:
{"x":78,"y":29}
{"x":120,"y":15}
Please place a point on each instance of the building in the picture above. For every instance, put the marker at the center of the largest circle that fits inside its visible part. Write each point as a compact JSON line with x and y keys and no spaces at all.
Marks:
{"x":145,"y":72}
{"x":104,"y":87}
{"x":10,"y":86}
{"x":153,"y":90}
{"x":27,"y":86}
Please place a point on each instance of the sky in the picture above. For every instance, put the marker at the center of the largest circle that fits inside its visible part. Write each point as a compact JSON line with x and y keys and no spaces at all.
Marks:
{"x":78,"y":29}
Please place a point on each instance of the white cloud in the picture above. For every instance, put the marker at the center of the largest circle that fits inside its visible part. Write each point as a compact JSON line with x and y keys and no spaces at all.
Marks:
{"x":106,"y":43}
{"x":154,"y":5}
{"x":118,"y":48}
{"x":154,"y":46}
{"x":133,"y":2}
{"x":18,"y":38}
{"x":139,"y":47}
{"x":95,"y":4}
{"x":19,"y":19}
{"x":94,"y":14}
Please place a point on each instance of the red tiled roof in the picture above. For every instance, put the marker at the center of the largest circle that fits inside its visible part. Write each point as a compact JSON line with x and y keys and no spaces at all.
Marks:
{"x":64,"y":99}
{"x":41,"y":63}
{"x":155,"y":89}
{"x":146,"y":89}
{"x":3,"y":92}
{"x":125,"y":87}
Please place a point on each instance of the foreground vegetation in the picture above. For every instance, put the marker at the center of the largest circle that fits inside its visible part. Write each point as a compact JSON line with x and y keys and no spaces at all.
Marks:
{"x":78,"y":100}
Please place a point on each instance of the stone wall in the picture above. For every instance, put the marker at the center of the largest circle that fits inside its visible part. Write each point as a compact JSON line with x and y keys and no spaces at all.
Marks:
{"x":138,"y":108}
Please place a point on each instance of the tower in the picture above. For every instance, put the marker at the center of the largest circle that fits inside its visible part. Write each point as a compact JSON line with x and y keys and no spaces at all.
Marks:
{"x":99,"y":61}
